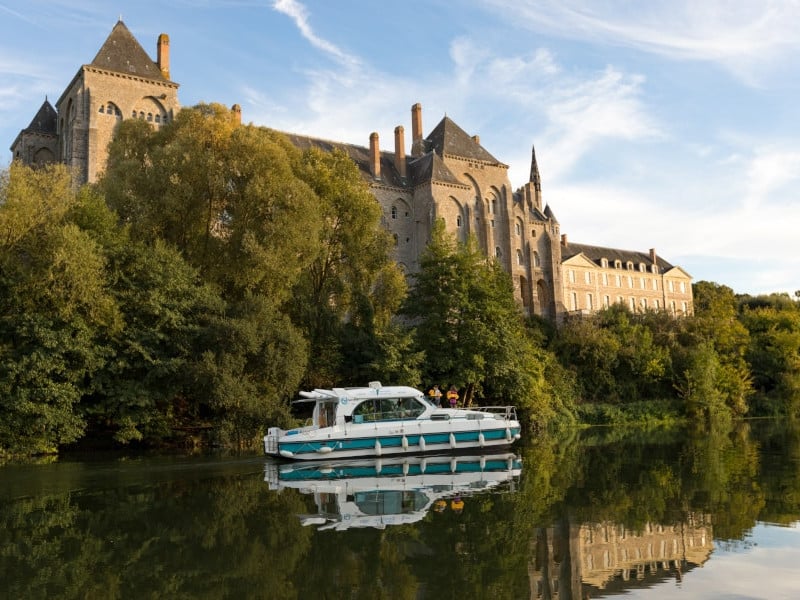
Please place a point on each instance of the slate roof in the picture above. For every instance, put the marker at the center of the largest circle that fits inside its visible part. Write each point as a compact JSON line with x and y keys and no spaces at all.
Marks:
{"x":449,"y":138}
{"x":45,"y":121}
{"x":122,"y":53}
{"x":595,"y":253}
{"x":358,"y":154}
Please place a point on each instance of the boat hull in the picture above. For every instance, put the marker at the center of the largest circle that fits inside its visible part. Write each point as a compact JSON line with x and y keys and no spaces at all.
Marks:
{"x":334,"y":442}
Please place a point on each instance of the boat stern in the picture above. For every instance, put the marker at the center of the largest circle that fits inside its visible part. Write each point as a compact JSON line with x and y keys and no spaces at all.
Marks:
{"x":271,"y":440}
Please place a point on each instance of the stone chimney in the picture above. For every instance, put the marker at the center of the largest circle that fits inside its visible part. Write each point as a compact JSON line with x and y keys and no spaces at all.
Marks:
{"x":564,"y":241}
{"x":417,"y":148}
{"x":400,"y":150}
{"x":653,"y":257}
{"x":163,"y":54}
{"x":236,"y":113}
{"x":374,"y":155}
{"x":476,"y":139}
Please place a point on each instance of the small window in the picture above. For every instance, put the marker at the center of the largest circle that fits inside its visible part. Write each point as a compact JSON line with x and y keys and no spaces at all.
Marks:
{"x":158,"y":118}
{"x":589,"y":302}
{"x":149,"y":117}
{"x":102,"y":108}
{"x":617,"y":264}
{"x":629,"y":266}
{"x":518,"y":228}
{"x":604,"y":263}
{"x":571,"y":276}
{"x":536,"y":262}
{"x":533,"y":233}
{"x":587,"y":277}
{"x":458,"y":221}
{"x":654,"y":269}
{"x":492,"y":223}
{"x":655,"y":284}
{"x":619,"y":281}
{"x":642,"y":268}
{"x":683,"y":287}
{"x":497,"y":252}
{"x":396,"y":239}
{"x":520,"y":261}
{"x":394,"y":212}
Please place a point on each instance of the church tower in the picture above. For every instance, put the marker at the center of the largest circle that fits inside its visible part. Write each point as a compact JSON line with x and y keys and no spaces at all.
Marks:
{"x":122,"y":82}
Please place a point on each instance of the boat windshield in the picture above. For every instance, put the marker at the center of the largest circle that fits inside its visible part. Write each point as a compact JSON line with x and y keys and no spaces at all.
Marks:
{"x":387,"y":409}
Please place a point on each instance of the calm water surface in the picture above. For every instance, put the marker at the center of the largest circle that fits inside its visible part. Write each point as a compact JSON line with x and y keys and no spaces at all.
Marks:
{"x":597,"y":514}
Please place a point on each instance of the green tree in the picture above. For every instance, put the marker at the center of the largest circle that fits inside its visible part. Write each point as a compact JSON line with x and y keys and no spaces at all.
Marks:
{"x":345,"y":298}
{"x":55,"y":310}
{"x":470,"y":328}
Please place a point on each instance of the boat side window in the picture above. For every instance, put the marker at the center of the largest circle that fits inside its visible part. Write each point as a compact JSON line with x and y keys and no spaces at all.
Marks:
{"x":365,"y":412}
{"x":387,"y":409}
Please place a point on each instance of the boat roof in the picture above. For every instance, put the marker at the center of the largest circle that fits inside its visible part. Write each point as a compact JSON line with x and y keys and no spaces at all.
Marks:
{"x":374,"y":390}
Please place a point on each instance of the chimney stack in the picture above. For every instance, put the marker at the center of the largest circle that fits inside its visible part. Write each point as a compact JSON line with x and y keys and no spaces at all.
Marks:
{"x":400,"y":150}
{"x":236,"y":112}
{"x":476,"y":139}
{"x":416,"y":130}
{"x":374,"y":155}
{"x":564,"y":241}
{"x":162,"y":54}
{"x":653,"y":256}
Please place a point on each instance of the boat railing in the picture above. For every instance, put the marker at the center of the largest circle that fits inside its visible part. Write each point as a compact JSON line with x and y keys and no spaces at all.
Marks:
{"x":509,"y":413}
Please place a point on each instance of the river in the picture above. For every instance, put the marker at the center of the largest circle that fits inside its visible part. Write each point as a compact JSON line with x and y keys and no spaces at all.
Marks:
{"x":593,"y":514}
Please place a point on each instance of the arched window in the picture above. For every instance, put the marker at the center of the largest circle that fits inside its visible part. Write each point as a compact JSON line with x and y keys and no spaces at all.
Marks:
{"x":617,"y":264}
{"x":497,"y":252}
{"x":604,"y":263}
{"x":520,"y":260}
{"x":458,"y":221}
{"x":642,"y":268}
{"x":102,"y":108}
{"x":536,"y":262}
{"x":629,"y":266}
{"x":518,"y":228}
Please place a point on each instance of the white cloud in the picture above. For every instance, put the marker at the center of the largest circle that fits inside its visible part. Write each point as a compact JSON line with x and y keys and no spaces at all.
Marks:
{"x":298,"y":13}
{"x":744,"y":37}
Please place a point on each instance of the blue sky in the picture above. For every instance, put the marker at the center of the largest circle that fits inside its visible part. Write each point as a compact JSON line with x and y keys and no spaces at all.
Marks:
{"x":666,"y":125}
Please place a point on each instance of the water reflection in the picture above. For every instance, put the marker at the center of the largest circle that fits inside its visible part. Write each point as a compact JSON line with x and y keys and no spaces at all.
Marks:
{"x":380,"y":492}
{"x":599,"y":559}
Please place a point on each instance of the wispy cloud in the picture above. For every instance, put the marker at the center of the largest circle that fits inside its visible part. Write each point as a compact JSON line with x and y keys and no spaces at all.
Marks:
{"x":744,"y":37}
{"x":298,"y":13}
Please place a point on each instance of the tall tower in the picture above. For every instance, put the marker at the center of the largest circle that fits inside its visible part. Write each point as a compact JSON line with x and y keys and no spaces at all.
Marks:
{"x":122,"y":82}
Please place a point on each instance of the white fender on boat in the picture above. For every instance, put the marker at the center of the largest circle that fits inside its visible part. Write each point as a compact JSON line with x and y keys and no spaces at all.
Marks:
{"x":508,"y":434}
{"x":483,"y":462}
{"x":453,"y":464}
{"x":423,"y":464}
{"x":378,"y":449}
{"x":404,"y":443}
{"x":324,"y":449}
{"x":452,"y":440}
{"x":481,"y":441}
{"x":405,"y":468}
{"x":378,"y":466}
{"x":421,"y":442}
{"x":286,"y":454}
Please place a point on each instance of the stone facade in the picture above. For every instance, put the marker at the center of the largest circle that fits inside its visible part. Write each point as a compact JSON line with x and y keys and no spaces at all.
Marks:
{"x":121,"y":82}
{"x":448,"y":175}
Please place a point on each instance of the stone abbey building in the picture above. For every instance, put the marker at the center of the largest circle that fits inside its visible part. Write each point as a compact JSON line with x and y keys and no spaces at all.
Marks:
{"x":446,"y":175}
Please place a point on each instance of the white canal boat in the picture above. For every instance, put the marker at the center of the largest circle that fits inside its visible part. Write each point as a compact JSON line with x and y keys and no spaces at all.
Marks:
{"x":400,"y":490}
{"x":380,"y":421}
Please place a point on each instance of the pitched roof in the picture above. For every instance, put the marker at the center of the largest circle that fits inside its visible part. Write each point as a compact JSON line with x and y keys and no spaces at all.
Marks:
{"x":358,"y":154}
{"x":122,"y":53}
{"x":45,"y":121}
{"x":431,"y":167}
{"x":595,"y":253}
{"x":447,"y":137}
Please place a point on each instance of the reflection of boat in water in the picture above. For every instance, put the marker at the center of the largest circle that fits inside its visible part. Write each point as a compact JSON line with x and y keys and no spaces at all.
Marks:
{"x":391,"y":491}
{"x":392,"y":420}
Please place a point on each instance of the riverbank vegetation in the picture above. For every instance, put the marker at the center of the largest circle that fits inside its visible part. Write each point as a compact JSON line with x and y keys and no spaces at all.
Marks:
{"x":215,"y":269}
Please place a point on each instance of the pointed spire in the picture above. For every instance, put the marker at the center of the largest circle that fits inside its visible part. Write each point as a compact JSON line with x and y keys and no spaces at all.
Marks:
{"x":535,"y":179}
